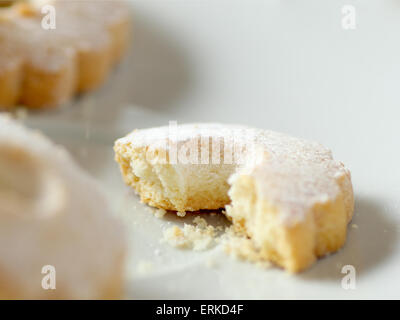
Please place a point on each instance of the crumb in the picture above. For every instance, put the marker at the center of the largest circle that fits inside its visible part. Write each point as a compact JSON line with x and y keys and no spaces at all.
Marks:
{"x":202,"y":236}
{"x":200,"y":222}
{"x":157,"y":212}
{"x":198,"y":237}
{"x":181,"y":214}
{"x":174,"y":237}
{"x":354,"y":226}
{"x":160,"y":213}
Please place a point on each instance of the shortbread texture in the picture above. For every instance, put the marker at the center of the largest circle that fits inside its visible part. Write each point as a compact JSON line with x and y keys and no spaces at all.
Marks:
{"x":288,"y":195}
{"x":43,"y":68}
{"x":53,"y":213}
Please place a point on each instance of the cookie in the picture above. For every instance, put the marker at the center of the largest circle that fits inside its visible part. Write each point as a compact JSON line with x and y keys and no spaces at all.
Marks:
{"x":53,"y":217}
{"x":49,"y":66}
{"x":287,"y":194}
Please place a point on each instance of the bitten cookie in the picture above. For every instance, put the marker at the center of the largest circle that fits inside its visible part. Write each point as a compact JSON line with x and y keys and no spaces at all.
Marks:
{"x":288,"y":195}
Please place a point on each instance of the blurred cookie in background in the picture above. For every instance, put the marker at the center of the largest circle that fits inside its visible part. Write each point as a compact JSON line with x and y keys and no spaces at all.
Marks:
{"x":45,"y":60}
{"x":58,"y":238}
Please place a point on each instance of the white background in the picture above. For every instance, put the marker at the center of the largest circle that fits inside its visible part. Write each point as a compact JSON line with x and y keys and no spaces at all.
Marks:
{"x":283,"y":65}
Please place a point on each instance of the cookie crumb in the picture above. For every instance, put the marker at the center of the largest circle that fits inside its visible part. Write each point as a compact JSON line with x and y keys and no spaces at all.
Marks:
{"x":200,"y":222}
{"x":160,"y":213}
{"x":198,"y":237}
{"x":181,"y":214}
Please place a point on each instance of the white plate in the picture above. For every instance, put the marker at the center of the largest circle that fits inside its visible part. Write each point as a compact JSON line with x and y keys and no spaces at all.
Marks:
{"x":282,"y":65}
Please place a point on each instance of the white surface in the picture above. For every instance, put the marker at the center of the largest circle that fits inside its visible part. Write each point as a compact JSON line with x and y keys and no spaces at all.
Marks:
{"x":282,"y":65}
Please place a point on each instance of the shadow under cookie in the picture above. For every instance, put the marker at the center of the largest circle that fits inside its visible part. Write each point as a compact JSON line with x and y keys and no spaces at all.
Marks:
{"x":369,"y":243}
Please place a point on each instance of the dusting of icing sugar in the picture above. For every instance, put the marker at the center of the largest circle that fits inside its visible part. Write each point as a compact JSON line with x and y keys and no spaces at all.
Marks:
{"x":81,"y":26}
{"x":291,"y":173}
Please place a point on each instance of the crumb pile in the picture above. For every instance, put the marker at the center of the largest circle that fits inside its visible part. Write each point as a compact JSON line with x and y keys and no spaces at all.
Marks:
{"x":200,"y":236}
